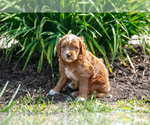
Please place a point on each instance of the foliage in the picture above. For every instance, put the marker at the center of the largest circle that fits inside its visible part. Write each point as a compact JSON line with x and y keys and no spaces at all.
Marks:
{"x":74,"y":6}
{"x":103,"y":32}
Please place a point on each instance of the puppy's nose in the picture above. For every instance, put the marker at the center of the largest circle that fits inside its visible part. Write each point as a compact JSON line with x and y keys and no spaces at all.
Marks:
{"x":68,"y":55}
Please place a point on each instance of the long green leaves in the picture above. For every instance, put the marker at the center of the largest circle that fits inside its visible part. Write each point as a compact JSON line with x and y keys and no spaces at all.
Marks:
{"x":103,"y":32}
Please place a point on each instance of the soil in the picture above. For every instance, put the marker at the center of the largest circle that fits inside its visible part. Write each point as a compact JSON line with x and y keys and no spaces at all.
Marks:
{"x":126,"y":83}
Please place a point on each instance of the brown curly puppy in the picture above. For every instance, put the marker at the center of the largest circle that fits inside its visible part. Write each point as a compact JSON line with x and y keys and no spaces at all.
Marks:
{"x":87,"y":72}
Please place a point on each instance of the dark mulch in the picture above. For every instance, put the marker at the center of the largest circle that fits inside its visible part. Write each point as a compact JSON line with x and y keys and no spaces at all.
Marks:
{"x":125,"y":82}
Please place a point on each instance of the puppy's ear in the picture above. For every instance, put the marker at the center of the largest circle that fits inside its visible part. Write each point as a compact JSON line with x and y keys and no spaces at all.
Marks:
{"x":82,"y":46}
{"x":58,"y":47}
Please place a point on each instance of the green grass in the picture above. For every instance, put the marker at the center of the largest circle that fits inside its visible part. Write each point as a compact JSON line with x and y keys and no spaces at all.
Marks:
{"x":74,"y":112}
{"x":87,"y":112}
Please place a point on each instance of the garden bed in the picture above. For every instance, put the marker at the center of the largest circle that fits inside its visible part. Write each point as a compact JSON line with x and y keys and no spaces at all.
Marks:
{"x":125,"y":82}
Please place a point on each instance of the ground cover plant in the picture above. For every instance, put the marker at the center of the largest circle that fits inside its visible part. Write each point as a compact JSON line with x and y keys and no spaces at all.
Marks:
{"x":39,"y":32}
{"x":106,"y":35}
{"x":103,"y":31}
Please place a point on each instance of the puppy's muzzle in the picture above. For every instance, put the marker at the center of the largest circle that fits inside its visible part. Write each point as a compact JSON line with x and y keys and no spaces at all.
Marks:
{"x":68,"y":55}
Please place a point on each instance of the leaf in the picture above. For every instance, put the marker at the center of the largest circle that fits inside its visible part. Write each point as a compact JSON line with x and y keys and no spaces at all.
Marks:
{"x":137,"y":5}
{"x":3,"y":26}
{"x":26,"y":49}
{"x":59,"y":28}
{"x":116,"y":45}
{"x":50,"y":37}
{"x":122,"y":59}
{"x":9,"y":4}
{"x":10,"y":104}
{"x":56,"y":23}
{"x":43,"y":21}
{"x":41,"y":61}
{"x":101,"y":25}
{"x":110,"y":46}
{"x":50,"y":55}
{"x":50,"y":51}
{"x":129,"y":46}
{"x":129,"y":59}
{"x":30,"y":53}
{"x":94,"y":5}
{"x":91,"y":46}
{"x":4,"y":88}
{"x":118,"y":23}
{"x":27,"y":31}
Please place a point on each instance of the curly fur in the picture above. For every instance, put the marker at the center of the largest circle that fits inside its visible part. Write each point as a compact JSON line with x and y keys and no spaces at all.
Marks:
{"x":87,"y":72}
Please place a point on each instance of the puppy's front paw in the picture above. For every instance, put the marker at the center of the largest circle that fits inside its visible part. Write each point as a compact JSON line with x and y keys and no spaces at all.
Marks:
{"x":52,"y":92}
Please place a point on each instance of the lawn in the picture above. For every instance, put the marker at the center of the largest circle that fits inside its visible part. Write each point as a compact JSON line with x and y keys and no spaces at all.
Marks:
{"x":73,"y":112}
{"x":90,"y":112}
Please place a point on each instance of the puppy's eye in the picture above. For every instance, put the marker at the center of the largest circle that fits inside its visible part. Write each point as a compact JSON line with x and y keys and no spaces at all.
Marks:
{"x":63,"y":46}
{"x":76,"y":47}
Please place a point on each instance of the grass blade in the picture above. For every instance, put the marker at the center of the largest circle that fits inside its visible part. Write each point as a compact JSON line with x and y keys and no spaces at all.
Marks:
{"x":10,"y":104}
{"x":5,"y":121}
{"x":4,"y":89}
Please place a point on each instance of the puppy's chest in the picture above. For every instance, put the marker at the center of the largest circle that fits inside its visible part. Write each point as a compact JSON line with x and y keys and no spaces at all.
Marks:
{"x":70,"y":73}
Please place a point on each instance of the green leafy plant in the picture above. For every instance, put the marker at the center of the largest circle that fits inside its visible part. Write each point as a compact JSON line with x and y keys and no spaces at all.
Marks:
{"x":103,"y":32}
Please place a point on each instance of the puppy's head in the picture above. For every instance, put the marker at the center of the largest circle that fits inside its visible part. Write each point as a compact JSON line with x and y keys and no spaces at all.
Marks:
{"x":70,"y":47}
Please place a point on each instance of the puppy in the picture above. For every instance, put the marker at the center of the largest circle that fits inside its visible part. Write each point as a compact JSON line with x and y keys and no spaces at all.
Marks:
{"x":87,"y":72}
